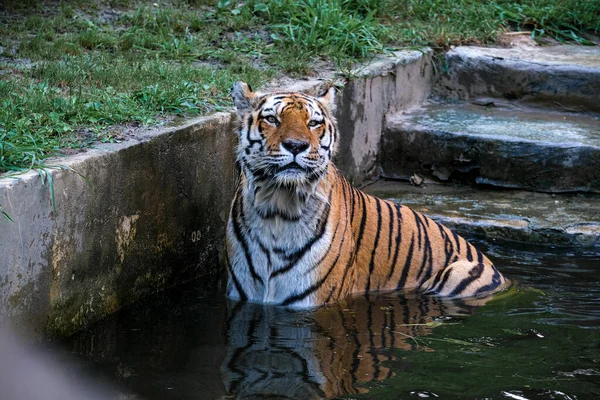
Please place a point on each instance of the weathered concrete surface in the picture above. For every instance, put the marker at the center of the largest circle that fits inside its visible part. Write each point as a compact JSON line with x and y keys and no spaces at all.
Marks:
{"x":522,"y":216}
{"x":502,"y":146}
{"x":563,"y":76}
{"x":153,"y":215}
{"x":150,"y":219}
{"x":383,"y":88}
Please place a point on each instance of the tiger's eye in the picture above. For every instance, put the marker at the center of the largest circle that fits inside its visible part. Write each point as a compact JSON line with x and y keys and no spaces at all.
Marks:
{"x":271,"y":119}
{"x":313,"y":123}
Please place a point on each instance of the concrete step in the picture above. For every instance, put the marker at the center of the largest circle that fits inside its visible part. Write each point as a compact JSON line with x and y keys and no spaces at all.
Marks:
{"x":499,"y":144}
{"x":514,"y":215}
{"x":559,"y":76}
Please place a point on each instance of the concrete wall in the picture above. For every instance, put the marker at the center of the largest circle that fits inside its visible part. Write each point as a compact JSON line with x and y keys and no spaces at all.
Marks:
{"x":149,"y":221}
{"x":152,"y":212}
{"x":382,"y":88}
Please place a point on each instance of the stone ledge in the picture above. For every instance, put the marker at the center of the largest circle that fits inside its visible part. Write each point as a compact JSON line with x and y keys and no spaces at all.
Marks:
{"x":557,"y":76}
{"x":513,"y":148}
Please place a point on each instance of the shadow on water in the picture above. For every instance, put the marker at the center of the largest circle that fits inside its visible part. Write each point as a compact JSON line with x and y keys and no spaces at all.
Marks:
{"x":539,"y":340}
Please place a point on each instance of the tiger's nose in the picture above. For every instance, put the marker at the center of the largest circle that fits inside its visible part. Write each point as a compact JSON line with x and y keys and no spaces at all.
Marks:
{"x":295,"y":146}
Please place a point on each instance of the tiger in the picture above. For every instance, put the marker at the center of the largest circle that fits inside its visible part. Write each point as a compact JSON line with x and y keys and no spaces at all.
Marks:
{"x":300,"y":235}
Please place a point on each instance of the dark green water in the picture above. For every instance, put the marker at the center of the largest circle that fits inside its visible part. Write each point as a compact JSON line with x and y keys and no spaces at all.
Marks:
{"x":541,"y":340}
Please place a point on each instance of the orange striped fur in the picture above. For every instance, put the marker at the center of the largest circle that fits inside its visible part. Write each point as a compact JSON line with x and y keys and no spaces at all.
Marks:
{"x":300,"y":235}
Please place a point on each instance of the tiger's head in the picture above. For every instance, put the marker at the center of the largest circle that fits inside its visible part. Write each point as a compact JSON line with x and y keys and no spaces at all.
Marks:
{"x":286,"y":142}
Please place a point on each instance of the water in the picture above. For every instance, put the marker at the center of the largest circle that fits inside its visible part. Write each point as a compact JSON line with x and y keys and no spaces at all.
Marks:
{"x":526,"y":124}
{"x":541,"y":340}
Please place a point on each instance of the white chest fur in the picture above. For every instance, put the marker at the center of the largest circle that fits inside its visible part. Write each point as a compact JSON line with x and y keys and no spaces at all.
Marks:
{"x":274,"y":258}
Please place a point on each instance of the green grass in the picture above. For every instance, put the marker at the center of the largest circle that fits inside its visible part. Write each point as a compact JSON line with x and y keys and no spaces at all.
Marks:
{"x":72,"y":71}
{"x":441,"y":23}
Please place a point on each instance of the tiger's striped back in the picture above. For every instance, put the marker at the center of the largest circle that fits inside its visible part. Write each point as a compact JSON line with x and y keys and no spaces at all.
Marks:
{"x":300,"y":235}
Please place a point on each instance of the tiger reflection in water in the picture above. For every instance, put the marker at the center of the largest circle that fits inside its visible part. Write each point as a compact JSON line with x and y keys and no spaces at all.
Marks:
{"x":274,"y":352}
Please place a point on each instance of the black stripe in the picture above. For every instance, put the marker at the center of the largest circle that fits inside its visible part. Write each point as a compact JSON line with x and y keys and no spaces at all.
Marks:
{"x":314,"y":287}
{"x":398,"y":241}
{"x":372,"y":351}
{"x":236,"y":283}
{"x":264,"y":375}
{"x":448,"y":246}
{"x":404,"y":275}
{"x":301,"y":296}
{"x":261,"y":103}
{"x":352,"y":198}
{"x":326,"y":253}
{"x":251,"y":142}
{"x":306,"y":374}
{"x":496,"y":281}
{"x":443,"y":282}
{"x":427,"y":252}
{"x":391,"y":228}
{"x":296,"y":256}
{"x":352,"y":255}
{"x":322,"y":111}
{"x":288,"y":105}
{"x":355,"y":359}
{"x":330,"y":294}
{"x":363,"y":220}
{"x":469,"y":254}
{"x":428,"y":262}
{"x":350,"y":262}
{"x":457,"y":239}
{"x":238,"y":353}
{"x":374,"y":251}
{"x":237,"y":231}
{"x":441,"y":228}
{"x":232,"y":315}
{"x":474,"y":274}
{"x":425,"y":309}
{"x":437,"y":278}
{"x":331,"y":244}
{"x":417,"y":222}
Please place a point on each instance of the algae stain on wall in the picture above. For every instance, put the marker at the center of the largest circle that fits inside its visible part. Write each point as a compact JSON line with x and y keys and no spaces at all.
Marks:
{"x":125,"y":234}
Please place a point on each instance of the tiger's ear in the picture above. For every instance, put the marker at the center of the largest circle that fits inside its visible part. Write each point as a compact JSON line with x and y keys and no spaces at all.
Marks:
{"x":327,"y":98}
{"x":243,"y":97}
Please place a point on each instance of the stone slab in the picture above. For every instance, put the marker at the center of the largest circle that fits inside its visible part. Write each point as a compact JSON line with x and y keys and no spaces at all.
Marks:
{"x":502,"y":145}
{"x":558,"y":76}
{"x":513,"y":215}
